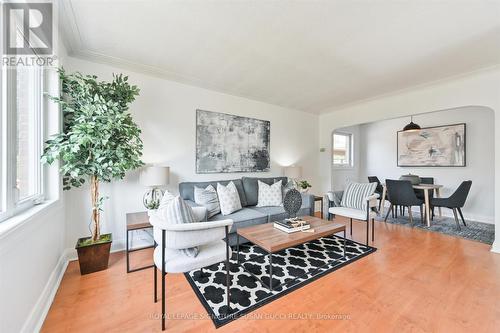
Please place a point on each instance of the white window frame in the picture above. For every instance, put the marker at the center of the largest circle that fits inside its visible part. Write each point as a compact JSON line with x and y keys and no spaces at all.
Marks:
{"x":350,"y":164}
{"x":11,"y":205}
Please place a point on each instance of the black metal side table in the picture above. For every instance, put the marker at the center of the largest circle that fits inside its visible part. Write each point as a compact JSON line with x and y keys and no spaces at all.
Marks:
{"x":137,"y":221}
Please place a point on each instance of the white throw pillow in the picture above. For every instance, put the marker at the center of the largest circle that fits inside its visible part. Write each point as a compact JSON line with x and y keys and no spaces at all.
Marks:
{"x":165,"y":200}
{"x":269,"y":195}
{"x":229,"y":198}
{"x":207,"y":197}
{"x":175,"y":211}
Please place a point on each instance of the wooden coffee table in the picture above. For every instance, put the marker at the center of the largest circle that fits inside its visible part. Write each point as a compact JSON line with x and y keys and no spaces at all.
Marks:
{"x":273,"y":240}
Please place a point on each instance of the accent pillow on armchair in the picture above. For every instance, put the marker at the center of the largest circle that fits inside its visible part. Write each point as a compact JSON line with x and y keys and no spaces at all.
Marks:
{"x":174,"y":210}
{"x":355,"y":194}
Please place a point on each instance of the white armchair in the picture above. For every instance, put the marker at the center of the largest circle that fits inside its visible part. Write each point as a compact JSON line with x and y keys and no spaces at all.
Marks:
{"x":209,"y":237}
{"x":353,"y":213}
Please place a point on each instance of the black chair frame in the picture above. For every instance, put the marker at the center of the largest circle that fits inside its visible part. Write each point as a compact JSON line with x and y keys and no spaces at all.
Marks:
{"x":228,"y":309}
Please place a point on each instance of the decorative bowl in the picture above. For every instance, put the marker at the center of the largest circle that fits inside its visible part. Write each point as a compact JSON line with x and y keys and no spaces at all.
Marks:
{"x":414,"y":179}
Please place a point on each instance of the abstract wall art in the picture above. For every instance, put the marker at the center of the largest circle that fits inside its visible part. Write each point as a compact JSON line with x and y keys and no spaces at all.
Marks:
{"x":228,"y":143}
{"x":440,"y":146}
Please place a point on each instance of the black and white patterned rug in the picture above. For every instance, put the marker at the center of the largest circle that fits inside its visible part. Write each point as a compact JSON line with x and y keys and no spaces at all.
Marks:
{"x":296,"y":267}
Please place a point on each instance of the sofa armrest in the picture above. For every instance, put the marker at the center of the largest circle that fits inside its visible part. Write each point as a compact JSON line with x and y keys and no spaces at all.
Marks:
{"x":334,"y":198}
{"x":187,"y":227}
{"x":372,"y":200}
{"x":308,"y":201}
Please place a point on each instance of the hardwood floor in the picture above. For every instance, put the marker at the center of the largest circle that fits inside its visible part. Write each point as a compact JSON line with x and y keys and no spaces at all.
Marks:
{"x":417,"y":281}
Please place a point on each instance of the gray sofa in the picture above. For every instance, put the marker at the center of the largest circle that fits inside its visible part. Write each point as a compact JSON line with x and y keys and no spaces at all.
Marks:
{"x":250,"y":214}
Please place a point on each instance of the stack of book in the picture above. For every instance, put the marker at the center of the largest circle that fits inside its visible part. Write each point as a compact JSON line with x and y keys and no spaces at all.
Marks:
{"x":292,"y":225}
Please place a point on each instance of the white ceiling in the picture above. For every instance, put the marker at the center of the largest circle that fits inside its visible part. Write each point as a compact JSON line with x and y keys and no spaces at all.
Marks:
{"x":308,"y":55}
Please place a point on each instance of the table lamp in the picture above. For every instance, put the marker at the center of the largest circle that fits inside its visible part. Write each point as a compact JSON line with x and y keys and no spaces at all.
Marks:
{"x":154,"y":177}
{"x":293,"y":173}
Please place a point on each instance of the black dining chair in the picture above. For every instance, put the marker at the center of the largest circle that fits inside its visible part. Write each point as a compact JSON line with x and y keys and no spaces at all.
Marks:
{"x":402,"y":194}
{"x":455,"y":202}
{"x":379,"y":189}
{"x":420,"y":193}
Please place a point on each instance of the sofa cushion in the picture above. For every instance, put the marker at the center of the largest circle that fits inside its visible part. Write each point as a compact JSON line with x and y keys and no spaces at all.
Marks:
{"x":186,"y":189}
{"x":243,"y":218}
{"x":351,"y":213}
{"x":278,"y":213}
{"x":273,"y":213}
{"x":209,"y":254}
{"x":251,"y":187}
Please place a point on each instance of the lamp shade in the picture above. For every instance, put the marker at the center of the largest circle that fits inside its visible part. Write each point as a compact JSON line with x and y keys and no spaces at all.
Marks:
{"x":292,"y":172}
{"x":154,"y":176}
{"x":412,"y":126}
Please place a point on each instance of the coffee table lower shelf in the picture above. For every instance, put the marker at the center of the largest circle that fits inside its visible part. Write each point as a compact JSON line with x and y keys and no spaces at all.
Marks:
{"x":270,"y":286}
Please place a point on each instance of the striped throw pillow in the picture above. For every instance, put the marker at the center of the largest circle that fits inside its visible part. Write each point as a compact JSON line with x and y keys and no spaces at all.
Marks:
{"x":356,"y":193}
{"x":177,"y":211}
{"x":207,"y":197}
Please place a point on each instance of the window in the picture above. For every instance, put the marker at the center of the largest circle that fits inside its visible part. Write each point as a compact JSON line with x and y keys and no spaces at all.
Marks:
{"x":342,"y":150}
{"x":21,"y":139}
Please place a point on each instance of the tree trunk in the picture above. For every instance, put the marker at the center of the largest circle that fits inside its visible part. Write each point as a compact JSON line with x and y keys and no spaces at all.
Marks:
{"x":94,"y":193}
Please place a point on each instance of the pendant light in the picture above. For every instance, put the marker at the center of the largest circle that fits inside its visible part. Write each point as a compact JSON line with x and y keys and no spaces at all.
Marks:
{"x":412,"y":126}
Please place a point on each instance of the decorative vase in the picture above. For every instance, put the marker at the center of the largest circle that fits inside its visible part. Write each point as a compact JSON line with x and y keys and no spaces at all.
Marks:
{"x":292,"y":203}
{"x":414,"y":179}
{"x":304,"y":190}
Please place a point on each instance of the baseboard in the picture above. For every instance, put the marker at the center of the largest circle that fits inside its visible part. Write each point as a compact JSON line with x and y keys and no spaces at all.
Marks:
{"x":495,"y":247}
{"x":42,"y":306}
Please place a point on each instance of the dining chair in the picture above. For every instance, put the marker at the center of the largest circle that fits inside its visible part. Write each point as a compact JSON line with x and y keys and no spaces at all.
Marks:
{"x":420,"y":193}
{"x":380,"y":190}
{"x":402,"y":194}
{"x":456,"y":201}
{"x":211,"y":238}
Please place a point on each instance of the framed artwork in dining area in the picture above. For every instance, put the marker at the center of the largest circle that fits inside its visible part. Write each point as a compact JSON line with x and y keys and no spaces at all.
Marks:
{"x":439,"y":146}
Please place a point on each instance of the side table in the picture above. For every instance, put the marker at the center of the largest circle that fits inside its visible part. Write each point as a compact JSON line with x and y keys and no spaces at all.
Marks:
{"x":319,"y":198}
{"x":137,"y":221}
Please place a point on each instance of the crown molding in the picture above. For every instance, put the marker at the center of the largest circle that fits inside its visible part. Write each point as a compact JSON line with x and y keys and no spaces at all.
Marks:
{"x":333,"y":109}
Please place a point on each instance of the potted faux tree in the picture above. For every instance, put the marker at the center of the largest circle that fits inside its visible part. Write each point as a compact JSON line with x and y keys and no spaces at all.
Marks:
{"x":99,"y":142}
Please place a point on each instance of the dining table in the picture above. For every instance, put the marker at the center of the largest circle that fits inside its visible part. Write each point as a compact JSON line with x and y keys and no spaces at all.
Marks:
{"x":426,"y":188}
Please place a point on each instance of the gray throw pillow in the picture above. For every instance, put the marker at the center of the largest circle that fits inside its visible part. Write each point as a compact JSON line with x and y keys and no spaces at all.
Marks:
{"x":177,"y":211}
{"x":286,"y":187}
{"x":207,"y":197}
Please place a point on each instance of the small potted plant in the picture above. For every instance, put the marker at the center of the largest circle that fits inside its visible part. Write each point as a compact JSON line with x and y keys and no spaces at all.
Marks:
{"x":99,"y":142}
{"x":303,"y":186}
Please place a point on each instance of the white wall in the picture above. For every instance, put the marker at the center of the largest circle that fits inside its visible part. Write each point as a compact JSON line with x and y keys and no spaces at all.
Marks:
{"x":32,"y":244}
{"x":481,"y":88}
{"x":378,"y":147}
{"x":165,"y":111}
{"x":343,"y":175}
